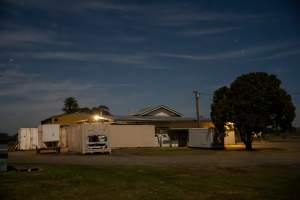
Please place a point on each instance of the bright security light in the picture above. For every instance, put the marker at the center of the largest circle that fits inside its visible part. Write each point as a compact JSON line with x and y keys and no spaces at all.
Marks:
{"x":98,"y":117}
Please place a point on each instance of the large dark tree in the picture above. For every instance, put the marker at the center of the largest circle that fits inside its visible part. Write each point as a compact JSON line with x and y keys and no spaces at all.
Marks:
{"x":253,"y":102}
{"x":220,"y":110}
{"x":70,"y":105}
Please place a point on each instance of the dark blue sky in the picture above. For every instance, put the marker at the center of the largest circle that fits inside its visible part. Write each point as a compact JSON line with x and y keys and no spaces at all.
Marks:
{"x":132,"y":54}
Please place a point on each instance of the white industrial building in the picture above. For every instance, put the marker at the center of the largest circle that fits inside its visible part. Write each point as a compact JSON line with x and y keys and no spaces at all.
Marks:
{"x":152,"y":127}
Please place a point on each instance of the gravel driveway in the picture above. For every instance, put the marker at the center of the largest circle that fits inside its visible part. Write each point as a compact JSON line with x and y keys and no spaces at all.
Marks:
{"x":266,"y":153}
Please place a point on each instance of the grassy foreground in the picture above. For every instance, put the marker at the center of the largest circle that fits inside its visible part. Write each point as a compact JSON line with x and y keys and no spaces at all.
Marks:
{"x":149,"y":182}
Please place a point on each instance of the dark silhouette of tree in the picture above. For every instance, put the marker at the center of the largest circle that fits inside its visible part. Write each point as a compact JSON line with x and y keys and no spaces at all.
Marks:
{"x":102,"y":109}
{"x":85,"y":110}
{"x":70,"y":105}
{"x":254,"y":102}
{"x":220,"y":110}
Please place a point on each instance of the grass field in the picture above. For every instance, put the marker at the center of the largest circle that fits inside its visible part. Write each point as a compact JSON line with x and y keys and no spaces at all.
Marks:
{"x":272,"y":171}
{"x":149,"y":182}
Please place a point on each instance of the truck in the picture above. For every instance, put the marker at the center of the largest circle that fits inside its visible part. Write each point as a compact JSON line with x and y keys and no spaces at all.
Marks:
{"x":97,"y":143}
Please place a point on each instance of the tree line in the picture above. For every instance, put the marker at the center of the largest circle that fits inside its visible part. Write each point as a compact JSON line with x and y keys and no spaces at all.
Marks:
{"x":71,"y":105}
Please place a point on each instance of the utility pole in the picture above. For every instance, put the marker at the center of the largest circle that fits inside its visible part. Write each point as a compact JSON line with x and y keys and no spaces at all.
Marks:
{"x":197,"y":96}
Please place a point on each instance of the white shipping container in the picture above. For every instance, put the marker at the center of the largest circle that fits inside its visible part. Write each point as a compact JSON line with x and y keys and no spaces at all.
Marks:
{"x":117,"y":136}
{"x":28,"y":138}
{"x":79,"y":136}
{"x":50,"y":132}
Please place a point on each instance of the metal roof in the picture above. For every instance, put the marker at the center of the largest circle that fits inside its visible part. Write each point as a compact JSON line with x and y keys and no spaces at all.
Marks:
{"x":155,"y":118}
{"x":149,"y":109}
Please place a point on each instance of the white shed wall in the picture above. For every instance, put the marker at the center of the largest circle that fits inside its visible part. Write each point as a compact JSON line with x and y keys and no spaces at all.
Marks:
{"x":74,"y":135}
{"x":132,"y":136}
{"x":28,"y":138}
{"x":63,"y":138}
{"x":50,"y":132}
{"x":229,"y":137}
{"x":200,"y":137}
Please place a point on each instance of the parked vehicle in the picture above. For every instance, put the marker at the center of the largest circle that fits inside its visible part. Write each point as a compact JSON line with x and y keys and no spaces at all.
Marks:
{"x":97,"y":144}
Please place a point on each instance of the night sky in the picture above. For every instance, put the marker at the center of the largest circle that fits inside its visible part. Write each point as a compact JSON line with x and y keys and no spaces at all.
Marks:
{"x":132,"y":54}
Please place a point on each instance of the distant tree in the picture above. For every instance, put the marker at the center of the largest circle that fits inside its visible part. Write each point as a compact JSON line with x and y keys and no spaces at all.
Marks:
{"x":70,"y":105}
{"x":253,"y":102}
{"x":101,"y":109}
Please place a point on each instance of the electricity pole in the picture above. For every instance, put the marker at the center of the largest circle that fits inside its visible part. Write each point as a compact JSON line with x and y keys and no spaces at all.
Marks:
{"x":197,"y":96}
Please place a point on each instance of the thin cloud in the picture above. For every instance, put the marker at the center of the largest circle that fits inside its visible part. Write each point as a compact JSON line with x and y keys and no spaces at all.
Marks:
{"x":20,"y":37}
{"x":211,"y":16}
{"x":131,"y":39}
{"x":107,"y":5}
{"x":37,"y":97}
{"x":17,"y":83}
{"x":75,"y":6}
{"x":175,"y":18}
{"x":117,"y":58}
{"x":203,"y":57}
{"x":63,"y":55}
{"x":209,"y":31}
{"x":291,"y":52}
{"x":245,"y":52}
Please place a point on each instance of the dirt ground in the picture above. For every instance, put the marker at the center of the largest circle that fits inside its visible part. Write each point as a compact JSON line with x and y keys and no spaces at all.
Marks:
{"x":286,"y":152}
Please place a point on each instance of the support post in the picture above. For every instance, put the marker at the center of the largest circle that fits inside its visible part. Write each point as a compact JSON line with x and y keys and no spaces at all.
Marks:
{"x":197,"y":96}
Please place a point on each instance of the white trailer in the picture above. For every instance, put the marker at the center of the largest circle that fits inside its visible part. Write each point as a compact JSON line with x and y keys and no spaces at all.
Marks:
{"x":88,"y":138}
{"x":204,"y":138}
{"x":49,"y":135}
{"x":28,"y":139}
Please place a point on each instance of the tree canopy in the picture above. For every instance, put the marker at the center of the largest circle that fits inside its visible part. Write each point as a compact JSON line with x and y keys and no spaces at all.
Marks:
{"x":100,"y":109}
{"x":254,"y":102}
{"x":70,"y":105}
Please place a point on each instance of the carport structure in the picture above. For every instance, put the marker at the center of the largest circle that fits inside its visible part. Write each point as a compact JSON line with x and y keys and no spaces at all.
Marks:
{"x":180,"y":135}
